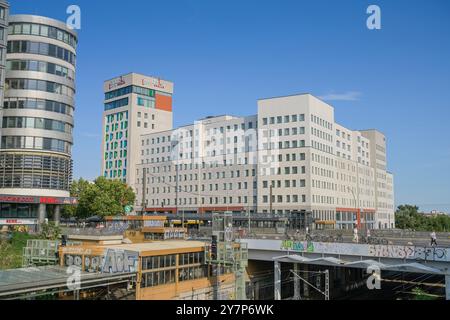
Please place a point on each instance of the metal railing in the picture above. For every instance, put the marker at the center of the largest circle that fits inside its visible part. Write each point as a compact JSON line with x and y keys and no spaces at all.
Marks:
{"x":94,"y":232}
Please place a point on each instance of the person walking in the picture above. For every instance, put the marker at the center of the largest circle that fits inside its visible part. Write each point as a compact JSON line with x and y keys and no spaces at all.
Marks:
{"x":433,"y":239}
{"x":355,"y":234}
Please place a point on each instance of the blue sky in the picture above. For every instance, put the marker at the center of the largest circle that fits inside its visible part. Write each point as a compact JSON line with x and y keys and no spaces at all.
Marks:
{"x":224,"y":55}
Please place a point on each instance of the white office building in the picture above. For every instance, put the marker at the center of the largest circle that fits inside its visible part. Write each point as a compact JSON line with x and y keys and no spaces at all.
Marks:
{"x":290,"y":158}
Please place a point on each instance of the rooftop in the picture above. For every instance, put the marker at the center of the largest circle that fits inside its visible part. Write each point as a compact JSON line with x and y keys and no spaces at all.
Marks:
{"x":158,"y":245}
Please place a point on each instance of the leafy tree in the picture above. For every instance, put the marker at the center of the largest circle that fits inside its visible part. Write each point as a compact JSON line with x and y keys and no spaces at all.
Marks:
{"x":50,"y":231}
{"x":103,"y":197}
{"x":408,"y":217}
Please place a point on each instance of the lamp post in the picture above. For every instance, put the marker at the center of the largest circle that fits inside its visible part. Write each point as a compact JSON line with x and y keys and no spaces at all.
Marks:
{"x":356,"y":207}
{"x":175,"y":144}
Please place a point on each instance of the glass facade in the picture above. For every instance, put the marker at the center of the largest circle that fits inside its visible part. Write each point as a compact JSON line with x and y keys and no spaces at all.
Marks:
{"x":116,"y":104}
{"x":36,"y":123}
{"x":40,"y":66}
{"x":18,"y":210}
{"x":46,"y":49}
{"x":38,"y":104}
{"x":43,"y":31}
{"x":35,"y":143}
{"x":127,"y":90}
{"x":35,"y":171}
{"x":39,"y":85}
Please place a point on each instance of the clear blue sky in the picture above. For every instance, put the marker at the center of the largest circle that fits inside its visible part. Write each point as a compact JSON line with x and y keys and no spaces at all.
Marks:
{"x":224,"y":55}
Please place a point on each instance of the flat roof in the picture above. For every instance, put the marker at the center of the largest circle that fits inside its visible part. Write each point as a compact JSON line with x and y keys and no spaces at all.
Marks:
{"x":157,"y":245}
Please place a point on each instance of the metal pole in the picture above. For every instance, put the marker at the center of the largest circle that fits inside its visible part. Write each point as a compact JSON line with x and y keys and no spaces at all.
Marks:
{"x":277,"y":284}
{"x":144,"y":186}
{"x":270,"y":200}
{"x":327,"y":285}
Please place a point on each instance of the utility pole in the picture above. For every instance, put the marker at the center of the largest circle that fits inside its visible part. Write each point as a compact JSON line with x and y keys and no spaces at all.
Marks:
{"x":270,"y":198}
{"x":144,"y":187}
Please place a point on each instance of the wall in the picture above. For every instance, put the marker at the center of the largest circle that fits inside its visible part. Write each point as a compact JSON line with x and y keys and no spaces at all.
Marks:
{"x":382,"y":251}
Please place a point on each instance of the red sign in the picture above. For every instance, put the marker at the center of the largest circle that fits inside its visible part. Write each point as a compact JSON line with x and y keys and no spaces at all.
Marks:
{"x":116,"y":83}
{"x":17,"y":199}
{"x":49,"y":200}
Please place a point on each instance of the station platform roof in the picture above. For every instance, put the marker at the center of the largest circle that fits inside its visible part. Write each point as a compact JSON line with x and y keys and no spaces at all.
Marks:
{"x":24,"y":280}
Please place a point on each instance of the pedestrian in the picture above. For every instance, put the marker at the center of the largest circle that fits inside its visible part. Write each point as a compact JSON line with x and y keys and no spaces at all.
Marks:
{"x":433,"y":238}
{"x":368,"y":234}
{"x":307,"y":230}
{"x":355,"y":234}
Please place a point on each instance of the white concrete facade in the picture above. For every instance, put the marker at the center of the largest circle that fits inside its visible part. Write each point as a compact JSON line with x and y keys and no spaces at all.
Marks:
{"x":132,"y":109}
{"x":290,"y":157}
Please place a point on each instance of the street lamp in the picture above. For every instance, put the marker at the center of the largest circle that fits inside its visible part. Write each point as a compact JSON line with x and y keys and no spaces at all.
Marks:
{"x":356,"y":207}
{"x":175,"y":143}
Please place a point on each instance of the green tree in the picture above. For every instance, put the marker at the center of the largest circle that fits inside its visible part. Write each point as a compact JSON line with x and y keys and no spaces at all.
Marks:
{"x":408,"y":217}
{"x":103,"y":197}
{"x":50,"y":231}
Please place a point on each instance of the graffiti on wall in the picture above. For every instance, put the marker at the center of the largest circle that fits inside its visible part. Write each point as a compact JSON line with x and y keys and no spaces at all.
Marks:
{"x":380,"y":251}
{"x":299,"y":246}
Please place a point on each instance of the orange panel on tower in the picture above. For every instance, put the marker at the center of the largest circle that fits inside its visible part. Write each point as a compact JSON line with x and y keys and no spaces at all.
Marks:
{"x":163,"y":102}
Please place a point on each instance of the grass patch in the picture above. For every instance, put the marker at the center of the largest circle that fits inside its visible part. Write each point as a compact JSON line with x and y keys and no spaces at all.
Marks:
{"x":11,"y":251}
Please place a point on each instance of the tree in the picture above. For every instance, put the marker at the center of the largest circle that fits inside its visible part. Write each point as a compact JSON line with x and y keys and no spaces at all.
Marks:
{"x":50,"y":231}
{"x":408,"y":217}
{"x":103,"y":197}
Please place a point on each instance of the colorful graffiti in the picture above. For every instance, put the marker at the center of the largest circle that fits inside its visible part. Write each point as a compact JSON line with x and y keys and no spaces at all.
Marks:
{"x":379,"y":251}
{"x":299,"y":246}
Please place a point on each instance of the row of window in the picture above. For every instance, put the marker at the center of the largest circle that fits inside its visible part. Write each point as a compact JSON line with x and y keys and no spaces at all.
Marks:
{"x":321,"y":122}
{"x":285,"y":119}
{"x":36,"y":180}
{"x":283,"y":132}
{"x":2,"y":13}
{"x":115,"y":145}
{"x":40,"y":66}
{"x":39,"y":85}
{"x":36,"y":123}
{"x":115,"y":173}
{"x":18,"y":210}
{"x":116,"y":104}
{"x":46,"y":49}
{"x":147,"y":103}
{"x":114,"y":127}
{"x":194,"y":188}
{"x":284,"y":145}
{"x":12,"y":162}
{"x":156,"y":262}
{"x":36,"y":143}
{"x":39,"y":104}
{"x":119,"y":135}
{"x":287,"y":183}
{"x":43,"y":31}
{"x":127,"y":90}
{"x":151,"y":279}
{"x":117,"y":163}
{"x":118,"y":116}
{"x":285,"y":199}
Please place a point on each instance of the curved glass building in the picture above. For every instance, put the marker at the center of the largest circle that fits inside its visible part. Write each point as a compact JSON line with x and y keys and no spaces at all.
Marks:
{"x":37,"y":119}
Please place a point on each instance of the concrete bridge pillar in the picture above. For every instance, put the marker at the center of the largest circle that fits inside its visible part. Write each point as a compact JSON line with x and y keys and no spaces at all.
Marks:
{"x":447,"y":287}
{"x":57,"y":215}
{"x":277,"y":284}
{"x":296,"y":282}
{"x":42,"y":214}
{"x":305,"y":285}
